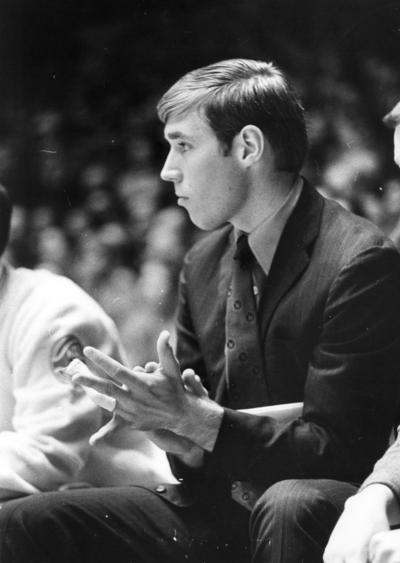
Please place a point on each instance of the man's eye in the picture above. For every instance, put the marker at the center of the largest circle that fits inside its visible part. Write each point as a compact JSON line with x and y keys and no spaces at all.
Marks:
{"x":183,"y":147}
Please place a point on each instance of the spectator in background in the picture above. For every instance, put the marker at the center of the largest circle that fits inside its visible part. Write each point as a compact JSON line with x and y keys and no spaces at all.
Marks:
{"x":363,"y":533}
{"x":46,"y":422}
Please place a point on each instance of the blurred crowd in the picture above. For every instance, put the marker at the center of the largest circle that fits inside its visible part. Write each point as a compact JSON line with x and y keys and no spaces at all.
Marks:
{"x":89,"y":203}
{"x":117,"y":233}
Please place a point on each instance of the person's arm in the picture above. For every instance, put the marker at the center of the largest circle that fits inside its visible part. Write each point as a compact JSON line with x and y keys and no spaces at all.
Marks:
{"x":47,"y":442}
{"x":365,"y":514}
{"x":350,"y":390}
{"x":366,"y":520}
{"x":386,"y":472}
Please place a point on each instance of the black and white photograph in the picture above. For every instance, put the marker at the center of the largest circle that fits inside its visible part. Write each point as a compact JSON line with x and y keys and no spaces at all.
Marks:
{"x":199,"y":281}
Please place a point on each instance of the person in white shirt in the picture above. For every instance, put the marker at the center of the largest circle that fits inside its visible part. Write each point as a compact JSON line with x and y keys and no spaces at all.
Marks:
{"x":45,"y":420}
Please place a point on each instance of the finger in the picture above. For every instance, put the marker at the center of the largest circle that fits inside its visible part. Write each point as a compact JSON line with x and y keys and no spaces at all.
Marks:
{"x":376,"y":546}
{"x":95,"y":369}
{"x":166,"y":356}
{"x":77,"y":368}
{"x":190,"y":383}
{"x":337,"y":558}
{"x":193,"y":383}
{"x":125,"y":415}
{"x":115,"y":370}
{"x":80,"y":373}
{"x":188,"y":374}
{"x":103,"y":386}
{"x":104,"y":401}
{"x":106,"y":430}
{"x":104,"y":362}
{"x":187,"y":378}
{"x":151,"y":366}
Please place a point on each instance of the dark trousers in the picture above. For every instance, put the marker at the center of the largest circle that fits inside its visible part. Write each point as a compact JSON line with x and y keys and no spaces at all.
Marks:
{"x":290,"y":523}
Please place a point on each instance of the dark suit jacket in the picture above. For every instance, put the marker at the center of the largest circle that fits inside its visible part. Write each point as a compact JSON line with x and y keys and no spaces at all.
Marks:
{"x":330,"y":330}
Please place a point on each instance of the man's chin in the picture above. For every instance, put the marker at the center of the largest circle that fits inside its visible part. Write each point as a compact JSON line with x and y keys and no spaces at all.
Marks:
{"x":205,"y":224}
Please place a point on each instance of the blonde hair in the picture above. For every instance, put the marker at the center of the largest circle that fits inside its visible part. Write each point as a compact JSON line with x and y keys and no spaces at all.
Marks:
{"x":237,"y":92}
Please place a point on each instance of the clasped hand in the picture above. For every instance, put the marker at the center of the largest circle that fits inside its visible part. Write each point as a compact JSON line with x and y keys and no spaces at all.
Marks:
{"x":146,"y":398}
{"x":157,"y":399}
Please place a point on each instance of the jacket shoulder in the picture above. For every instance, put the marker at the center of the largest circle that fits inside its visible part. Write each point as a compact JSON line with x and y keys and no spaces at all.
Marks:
{"x":348,"y":235}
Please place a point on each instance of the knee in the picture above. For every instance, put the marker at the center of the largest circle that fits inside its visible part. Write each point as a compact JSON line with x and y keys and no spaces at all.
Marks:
{"x":11,"y":516}
{"x":16,"y":514}
{"x":22,"y":524}
{"x":294,"y":501}
{"x":12,"y":530}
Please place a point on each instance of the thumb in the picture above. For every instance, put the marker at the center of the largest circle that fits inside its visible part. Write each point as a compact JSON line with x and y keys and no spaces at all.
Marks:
{"x":169,"y":363}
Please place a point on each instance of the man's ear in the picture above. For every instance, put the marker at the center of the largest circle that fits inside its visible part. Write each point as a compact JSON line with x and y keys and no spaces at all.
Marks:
{"x":251,"y":144}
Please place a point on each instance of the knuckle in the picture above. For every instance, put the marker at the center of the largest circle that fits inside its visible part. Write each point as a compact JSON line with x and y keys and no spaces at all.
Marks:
{"x":151,"y":386}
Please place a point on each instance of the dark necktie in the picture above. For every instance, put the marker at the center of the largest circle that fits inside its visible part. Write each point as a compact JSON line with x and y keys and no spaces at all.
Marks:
{"x":246,"y":386}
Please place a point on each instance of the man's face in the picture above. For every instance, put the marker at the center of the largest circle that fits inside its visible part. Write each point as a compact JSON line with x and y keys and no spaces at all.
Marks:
{"x":209,"y":185}
{"x":396,"y":141}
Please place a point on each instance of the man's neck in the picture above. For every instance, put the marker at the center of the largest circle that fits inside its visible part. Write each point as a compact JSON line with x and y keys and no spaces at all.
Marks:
{"x":264,"y":199}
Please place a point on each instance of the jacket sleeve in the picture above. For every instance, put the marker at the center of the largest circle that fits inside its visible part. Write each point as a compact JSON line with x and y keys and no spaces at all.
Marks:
{"x":387,"y":470}
{"x":47,"y":442}
{"x":351,"y":388}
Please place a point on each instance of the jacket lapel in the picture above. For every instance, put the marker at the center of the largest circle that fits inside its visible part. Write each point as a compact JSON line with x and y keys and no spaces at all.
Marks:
{"x":292,"y":255}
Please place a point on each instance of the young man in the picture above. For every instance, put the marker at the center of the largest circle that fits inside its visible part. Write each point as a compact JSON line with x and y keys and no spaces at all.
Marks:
{"x":290,"y":298}
{"x":363,"y":533}
{"x":45,"y":420}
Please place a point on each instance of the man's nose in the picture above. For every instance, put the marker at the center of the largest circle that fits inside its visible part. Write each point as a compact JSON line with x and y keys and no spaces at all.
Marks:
{"x":170,"y":171}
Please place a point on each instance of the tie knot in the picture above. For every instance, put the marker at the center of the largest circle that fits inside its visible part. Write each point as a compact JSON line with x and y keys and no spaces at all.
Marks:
{"x":243,"y":252}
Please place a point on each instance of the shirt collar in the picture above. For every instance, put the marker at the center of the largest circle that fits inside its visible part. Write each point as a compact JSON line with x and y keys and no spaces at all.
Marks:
{"x":264,"y":239}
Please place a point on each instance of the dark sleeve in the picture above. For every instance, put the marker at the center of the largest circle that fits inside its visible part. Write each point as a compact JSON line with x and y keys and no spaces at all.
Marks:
{"x":189,"y":355}
{"x":387,"y":470}
{"x":187,"y":348}
{"x":350,"y":393}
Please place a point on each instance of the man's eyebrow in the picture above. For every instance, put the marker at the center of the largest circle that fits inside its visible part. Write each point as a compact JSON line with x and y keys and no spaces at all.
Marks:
{"x":176,"y":135}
